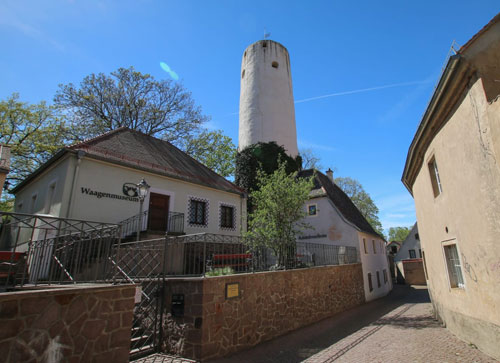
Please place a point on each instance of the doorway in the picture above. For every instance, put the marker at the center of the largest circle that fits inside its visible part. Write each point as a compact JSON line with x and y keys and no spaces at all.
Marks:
{"x":158,"y":212}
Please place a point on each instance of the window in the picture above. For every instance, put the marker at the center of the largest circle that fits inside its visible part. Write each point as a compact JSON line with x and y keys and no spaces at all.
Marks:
{"x":243,"y":74}
{"x":33,"y":203}
{"x":275,"y":64}
{"x":425,"y":265}
{"x":385,"y":276}
{"x":412,"y":253}
{"x":364,"y":245}
{"x":435,"y":181}
{"x":416,"y":236}
{"x":420,"y":252}
{"x":50,"y":197}
{"x":453,"y":264}
{"x":198,"y":212}
{"x":312,"y":209}
{"x":370,"y":285}
{"x":378,"y":279}
{"x":374,"y":246}
{"x":394,"y":249}
{"x":227,"y":217}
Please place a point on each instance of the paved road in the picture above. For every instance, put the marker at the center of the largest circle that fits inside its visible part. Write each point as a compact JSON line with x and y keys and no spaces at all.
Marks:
{"x":396,"y":328}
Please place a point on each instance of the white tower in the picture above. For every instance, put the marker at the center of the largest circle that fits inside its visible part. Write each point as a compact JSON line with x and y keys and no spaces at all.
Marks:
{"x":267,"y":111}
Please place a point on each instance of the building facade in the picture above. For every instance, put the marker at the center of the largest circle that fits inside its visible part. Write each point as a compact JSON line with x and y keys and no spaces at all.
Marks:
{"x":335,"y":220}
{"x":96,"y":180}
{"x":453,"y":172}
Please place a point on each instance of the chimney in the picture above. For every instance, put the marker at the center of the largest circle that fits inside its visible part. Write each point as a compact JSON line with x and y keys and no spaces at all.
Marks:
{"x":329,"y":174}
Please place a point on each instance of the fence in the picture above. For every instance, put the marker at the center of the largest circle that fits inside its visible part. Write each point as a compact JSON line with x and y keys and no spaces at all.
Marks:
{"x":55,"y":250}
{"x":212,"y":254}
{"x":174,"y":223}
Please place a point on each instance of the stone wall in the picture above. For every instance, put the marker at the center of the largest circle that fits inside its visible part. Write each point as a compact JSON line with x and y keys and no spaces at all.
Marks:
{"x":89,"y":323}
{"x":269,"y":304}
{"x":414,"y":272}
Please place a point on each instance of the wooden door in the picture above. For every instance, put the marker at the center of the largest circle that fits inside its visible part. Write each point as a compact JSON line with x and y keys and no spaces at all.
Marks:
{"x":158,"y":212}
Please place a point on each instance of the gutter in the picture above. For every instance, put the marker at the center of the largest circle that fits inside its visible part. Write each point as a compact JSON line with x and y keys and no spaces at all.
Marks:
{"x":448,"y":73}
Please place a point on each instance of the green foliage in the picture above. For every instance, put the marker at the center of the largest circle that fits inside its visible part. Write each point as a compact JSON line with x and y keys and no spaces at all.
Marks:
{"x":264,"y":157}
{"x":7,"y":205}
{"x":213,"y":149}
{"x":129,"y":98}
{"x":34,"y":133}
{"x":278,"y":210}
{"x":398,"y":233}
{"x":362,"y":201}
{"x":220,"y":271}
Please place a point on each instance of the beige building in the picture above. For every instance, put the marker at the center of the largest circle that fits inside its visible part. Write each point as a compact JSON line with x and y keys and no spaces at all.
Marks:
{"x":95,"y":180}
{"x":453,"y":172}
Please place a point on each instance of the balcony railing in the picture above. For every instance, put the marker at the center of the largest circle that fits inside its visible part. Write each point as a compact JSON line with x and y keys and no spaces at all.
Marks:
{"x":174,"y":222}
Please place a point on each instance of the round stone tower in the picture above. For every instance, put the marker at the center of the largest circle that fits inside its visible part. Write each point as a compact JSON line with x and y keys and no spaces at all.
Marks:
{"x":267,"y":111}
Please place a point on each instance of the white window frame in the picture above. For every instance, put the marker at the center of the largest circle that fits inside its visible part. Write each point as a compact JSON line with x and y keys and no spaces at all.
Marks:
{"x":459,"y":285}
{"x":315,"y":205}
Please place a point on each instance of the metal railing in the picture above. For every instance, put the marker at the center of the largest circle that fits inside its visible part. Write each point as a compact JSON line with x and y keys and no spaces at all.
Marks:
{"x":208,"y":254}
{"x":56,"y":250}
{"x":174,"y":223}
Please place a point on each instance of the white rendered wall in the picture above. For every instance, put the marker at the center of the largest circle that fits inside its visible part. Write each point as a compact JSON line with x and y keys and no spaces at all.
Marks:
{"x":267,"y":111}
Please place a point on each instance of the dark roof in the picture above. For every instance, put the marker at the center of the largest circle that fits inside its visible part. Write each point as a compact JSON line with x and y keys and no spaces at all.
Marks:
{"x":343,"y":203}
{"x":140,"y":151}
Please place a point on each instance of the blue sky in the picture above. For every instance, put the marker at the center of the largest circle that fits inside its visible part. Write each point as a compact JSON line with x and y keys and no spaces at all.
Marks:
{"x":362,"y":71}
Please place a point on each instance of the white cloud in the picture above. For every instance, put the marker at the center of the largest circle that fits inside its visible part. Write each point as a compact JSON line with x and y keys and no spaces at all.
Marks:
{"x":310,"y":145}
{"x":10,"y":19}
{"x":361,"y":90}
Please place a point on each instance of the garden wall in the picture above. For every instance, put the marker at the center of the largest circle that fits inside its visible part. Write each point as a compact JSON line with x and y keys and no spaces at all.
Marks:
{"x":414,"y":272}
{"x":89,"y":323}
{"x":266,"y":305}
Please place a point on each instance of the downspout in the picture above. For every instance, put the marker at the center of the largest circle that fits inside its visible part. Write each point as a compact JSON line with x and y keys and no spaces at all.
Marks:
{"x":79,"y":155}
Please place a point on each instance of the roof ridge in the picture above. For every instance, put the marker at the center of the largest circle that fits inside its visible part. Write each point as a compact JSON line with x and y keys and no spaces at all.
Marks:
{"x":464,"y":47}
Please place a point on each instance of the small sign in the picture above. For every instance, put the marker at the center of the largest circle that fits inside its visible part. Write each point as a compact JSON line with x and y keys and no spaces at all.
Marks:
{"x":138,"y":294}
{"x":232,"y":290}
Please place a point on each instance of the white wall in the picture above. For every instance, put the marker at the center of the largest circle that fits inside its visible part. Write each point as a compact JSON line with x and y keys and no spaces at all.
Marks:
{"x":338,"y":231}
{"x":34,"y":198}
{"x":374,"y":259}
{"x":410,"y":243}
{"x":109,"y":178}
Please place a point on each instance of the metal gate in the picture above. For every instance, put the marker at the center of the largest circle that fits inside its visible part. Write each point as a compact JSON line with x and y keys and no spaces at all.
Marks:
{"x":143,"y":263}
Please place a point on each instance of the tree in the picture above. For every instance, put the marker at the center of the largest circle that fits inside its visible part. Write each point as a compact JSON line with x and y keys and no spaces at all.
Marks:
{"x":213,"y":149}
{"x":264,"y":156}
{"x":398,"y":234}
{"x":278,"y":209}
{"x":129,"y":98}
{"x":310,"y":160}
{"x":362,"y":201}
{"x":33,"y":132}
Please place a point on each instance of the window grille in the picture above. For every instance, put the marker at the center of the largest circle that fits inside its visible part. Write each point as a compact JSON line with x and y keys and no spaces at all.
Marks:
{"x":198,"y":212}
{"x":226,"y":217}
{"x":412,"y":253}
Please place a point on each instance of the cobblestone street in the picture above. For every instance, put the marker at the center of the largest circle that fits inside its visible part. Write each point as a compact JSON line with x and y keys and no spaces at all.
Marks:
{"x":397,"y":328}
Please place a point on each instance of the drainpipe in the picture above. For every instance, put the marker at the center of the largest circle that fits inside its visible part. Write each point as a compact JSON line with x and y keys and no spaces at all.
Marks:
{"x":79,"y":155}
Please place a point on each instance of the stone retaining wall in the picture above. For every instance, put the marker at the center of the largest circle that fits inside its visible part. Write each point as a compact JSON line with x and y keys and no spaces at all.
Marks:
{"x":269,"y":304}
{"x":414,"y":272}
{"x":89,"y":323}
